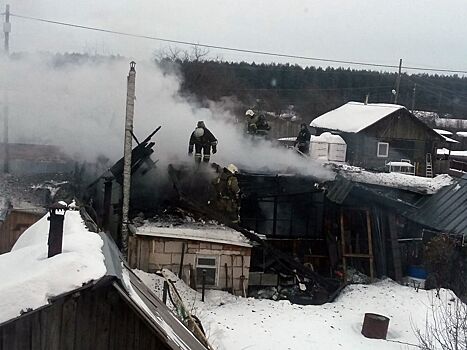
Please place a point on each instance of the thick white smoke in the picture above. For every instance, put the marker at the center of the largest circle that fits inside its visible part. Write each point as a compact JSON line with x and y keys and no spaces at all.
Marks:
{"x":81,"y":107}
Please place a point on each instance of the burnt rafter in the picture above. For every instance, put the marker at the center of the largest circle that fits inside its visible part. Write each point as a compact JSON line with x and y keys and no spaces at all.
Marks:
{"x":140,"y":155}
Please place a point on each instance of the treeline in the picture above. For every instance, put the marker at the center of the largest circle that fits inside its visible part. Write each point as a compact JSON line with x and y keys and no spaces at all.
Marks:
{"x":313,"y":91}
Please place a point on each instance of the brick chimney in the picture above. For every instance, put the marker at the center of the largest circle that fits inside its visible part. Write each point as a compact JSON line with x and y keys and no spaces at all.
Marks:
{"x":56,"y":217}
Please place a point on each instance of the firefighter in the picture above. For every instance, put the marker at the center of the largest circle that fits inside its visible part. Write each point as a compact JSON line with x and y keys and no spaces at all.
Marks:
{"x":251,"y":121}
{"x":303,"y":139}
{"x":202,"y":140}
{"x":228,"y":193}
{"x":262,"y":126}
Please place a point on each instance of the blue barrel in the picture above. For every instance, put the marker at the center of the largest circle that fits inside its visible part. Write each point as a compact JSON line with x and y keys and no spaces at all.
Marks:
{"x":417,"y":272}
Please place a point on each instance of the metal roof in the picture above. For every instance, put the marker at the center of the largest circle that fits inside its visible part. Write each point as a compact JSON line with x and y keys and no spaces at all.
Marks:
{"x":444,"y":211}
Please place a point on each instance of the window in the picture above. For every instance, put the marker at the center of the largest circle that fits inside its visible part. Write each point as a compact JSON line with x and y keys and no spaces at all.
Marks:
{"x":209,"y":264}
{"x":383,"y":149}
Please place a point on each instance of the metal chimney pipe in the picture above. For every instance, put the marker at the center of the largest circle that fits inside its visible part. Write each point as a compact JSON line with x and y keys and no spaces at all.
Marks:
{"x":56,"y":218}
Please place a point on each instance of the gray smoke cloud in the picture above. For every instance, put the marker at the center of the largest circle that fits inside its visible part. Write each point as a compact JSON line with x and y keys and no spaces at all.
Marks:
{"x":81,"y":107}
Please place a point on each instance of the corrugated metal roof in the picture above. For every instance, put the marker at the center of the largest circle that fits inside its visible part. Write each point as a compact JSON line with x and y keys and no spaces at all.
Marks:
{"x":445,"y":210}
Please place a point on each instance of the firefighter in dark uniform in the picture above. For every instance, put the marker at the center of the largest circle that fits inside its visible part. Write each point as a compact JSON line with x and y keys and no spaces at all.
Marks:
{"x":303,"y":139}
{"x":227,"y":199}
{"x":202,"y":140}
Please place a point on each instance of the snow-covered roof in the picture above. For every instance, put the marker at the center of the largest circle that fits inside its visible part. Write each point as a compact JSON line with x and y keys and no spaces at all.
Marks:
{"x":354,"y":116}
{"x":209,"y":233}
{"x":29,"y":279}
{"x":443,"y":132}
{"x":449,"y":140}
{"x":462,"y":133}
{"x":444,"y":151}
{"x":400,"y":164}
{"x":327,"y":137}
{"x":402,"y":181}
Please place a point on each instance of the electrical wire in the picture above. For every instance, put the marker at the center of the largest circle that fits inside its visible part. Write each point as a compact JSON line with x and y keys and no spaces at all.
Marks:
{"x":234,"y":49}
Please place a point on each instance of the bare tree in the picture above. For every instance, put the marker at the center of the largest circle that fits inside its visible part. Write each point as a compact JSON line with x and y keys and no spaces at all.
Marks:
{"x":175,"y":54}
{"x":445,"y":327}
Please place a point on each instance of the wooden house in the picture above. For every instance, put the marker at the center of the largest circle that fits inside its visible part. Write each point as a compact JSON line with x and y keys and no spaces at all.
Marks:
{"x":379,"y":133}
{"x":84,"y":298}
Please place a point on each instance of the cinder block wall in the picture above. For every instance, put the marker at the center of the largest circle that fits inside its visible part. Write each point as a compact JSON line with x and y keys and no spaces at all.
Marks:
{"x":155,"y":253}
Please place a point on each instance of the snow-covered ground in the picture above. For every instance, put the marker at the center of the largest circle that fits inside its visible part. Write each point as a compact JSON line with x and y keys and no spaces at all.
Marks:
{"x":245,"y":323}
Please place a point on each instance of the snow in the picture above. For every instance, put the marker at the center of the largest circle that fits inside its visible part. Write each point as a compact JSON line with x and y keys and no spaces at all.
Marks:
{"x":443,"y":132}
{"x":354,"y":116}
{"x":401,"y":181}
{"x":327,"y":137}
{"x":30,"y":279}
{"x":137,"y":299}
{"x":449,"y":140}
{"x":214,"y":234}
{"x":443,"y":151}
{"x":400,"y":164}
{"x":462,"y":133}
{"x":245,"y":323}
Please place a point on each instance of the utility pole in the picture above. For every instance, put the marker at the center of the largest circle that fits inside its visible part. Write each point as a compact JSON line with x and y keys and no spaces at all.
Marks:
{"x":127,"y":149}
{"x":6,"y":32}
{"x":398,"y":83}
{"x":413,"y":96}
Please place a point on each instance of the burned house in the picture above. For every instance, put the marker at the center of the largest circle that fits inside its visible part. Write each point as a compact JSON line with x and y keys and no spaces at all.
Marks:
{"x":97,"y":303}
{"x":379,"y":133}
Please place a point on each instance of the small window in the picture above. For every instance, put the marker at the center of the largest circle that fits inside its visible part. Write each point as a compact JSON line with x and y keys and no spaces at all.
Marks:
{"x":383,"y":149}
{"x":208,"y":264}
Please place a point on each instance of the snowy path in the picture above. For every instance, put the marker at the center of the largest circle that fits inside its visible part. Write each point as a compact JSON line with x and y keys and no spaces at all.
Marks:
{"x":234,"y":323}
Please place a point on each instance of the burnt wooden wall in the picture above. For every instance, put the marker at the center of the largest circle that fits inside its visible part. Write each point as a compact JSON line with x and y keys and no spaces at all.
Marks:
{"x":15,"y":224}
{"x":94,"y":318}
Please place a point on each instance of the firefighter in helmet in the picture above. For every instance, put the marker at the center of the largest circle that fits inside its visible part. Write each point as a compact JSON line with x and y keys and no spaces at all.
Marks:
{"x":227,"y":199}
{"x":303,"y":139}
{"x":251,"y":121}
{"x":202,"y":140}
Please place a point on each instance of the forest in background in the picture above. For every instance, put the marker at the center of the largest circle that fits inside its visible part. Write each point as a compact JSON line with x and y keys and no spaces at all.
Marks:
{"x":313,"y":91}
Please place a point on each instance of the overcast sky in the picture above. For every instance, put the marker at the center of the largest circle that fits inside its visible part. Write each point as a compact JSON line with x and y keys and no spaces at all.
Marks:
{"x":424,"y":33}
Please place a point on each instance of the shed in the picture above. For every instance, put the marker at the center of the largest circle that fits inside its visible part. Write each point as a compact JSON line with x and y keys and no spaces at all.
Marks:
{"x":84,"y":298}
{"x":376,"y":133}
{"x":188,"y":249}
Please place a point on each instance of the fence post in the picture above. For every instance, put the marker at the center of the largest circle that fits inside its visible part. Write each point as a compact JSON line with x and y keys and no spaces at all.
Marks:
{"x":203,"y":285}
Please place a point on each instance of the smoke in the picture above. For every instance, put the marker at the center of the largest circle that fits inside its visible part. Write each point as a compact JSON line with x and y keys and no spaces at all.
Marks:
{"x":81,"y":107}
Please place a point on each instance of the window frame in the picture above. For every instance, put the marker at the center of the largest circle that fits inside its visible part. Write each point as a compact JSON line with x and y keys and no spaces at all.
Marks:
{"x":214,"y":267}
{"x":378,"y":154}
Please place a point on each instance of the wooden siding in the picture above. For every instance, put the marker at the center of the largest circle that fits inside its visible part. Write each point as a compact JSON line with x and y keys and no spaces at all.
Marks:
{"x":94,"y":318}
{"x":408,"y":138}
{"x":15,"y":224}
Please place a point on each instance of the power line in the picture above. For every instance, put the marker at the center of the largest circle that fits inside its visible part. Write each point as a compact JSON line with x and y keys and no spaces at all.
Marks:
{"x":233,"y":49}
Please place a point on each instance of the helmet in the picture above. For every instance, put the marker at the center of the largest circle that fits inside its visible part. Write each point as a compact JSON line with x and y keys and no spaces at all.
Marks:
{"x":200,"y":124}
{"x":232,"y":168}
{"x":249,"y":113}
{"x":199,"y":132}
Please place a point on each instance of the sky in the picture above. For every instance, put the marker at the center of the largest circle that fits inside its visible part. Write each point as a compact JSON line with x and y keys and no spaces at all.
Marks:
{"x":426,"y":33}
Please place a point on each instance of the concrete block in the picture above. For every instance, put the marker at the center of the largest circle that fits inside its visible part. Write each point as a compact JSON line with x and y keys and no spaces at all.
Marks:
{"x":189,"y":259}
{"x":176,"y":258}
{"x":162,"y":259}
{"x":173,"y":247}
{"x":204,"y":245}
{"x":158,"y":246}
{"x":216,"y":246}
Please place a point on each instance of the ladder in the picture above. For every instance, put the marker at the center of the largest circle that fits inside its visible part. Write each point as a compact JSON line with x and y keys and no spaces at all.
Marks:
{"x":429,"y":165}
{"x":347,"y":246}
